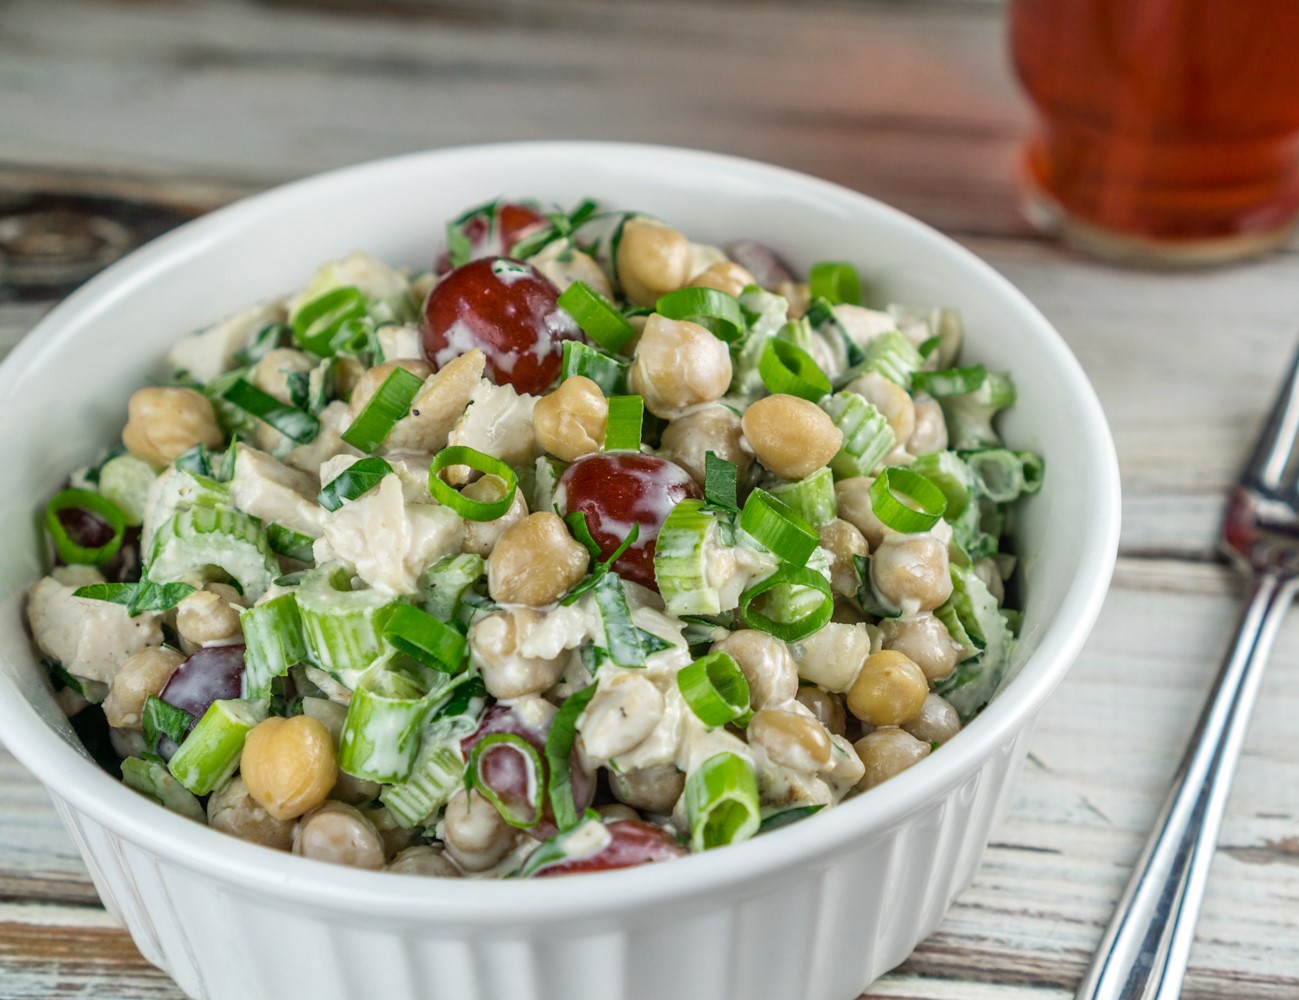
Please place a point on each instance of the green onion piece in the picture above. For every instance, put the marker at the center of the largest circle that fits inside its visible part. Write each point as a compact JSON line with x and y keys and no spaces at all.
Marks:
{"x":152,"y":779}
{"x":137,"y":597}
{"x":1003,"y":476}
{"x":342,"y":628}
{"x":214,"y":536}
{"x":779,"y":528}
{"x":835,"y":282}
{"x":949,"y":381}
{"x":101,"y":509}
{"x":895,"y":482}
{"x":160,"y":719}
{"x":947,"y":471}
{"x":597,"y":316}
{"x":577,"y":522}
{"x":288,"y":420}
{"x":331,"y":323}
{"x":789,"y":369}
{"x":93,"y":691}
{"x":523,"y":815}
{"x":867,"y":434}
{"x":447,"y":580}
{"x":812,"y":498}
{"x":606,"y":371}
{"x":471,"y":510}
{"x":711,"y":309}
{"x":719,"y":483}
{"x":715,"y":689}
{"x":722,"y":802}
{"x":273,"y":642}
{"x":681,"y":560}
{"x":382,"y":731}
{"x":381,"y":412}
{"x":265,"y":340}
{"x":928,"y":346}
{"x":786,"y":816}
{"x":198,"y":461}
{"x":793,"y":576}
{"x":124,"y":481}
{"x":623,"y":429}
{"x":622,"y":637}
{"x":418,"y":634}
{"x":561,"y":847}
{"x":284,"y":541}
{"x":211,"y":751}
{"x":353,"y":482}
{"x":559,"y":750}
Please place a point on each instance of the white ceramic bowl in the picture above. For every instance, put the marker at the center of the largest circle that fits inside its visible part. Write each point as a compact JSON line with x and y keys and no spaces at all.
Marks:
{"x":815,"y":911}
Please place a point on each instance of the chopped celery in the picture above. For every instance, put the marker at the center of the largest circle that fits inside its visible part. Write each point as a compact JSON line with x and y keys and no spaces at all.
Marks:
{"x":211,"y":752}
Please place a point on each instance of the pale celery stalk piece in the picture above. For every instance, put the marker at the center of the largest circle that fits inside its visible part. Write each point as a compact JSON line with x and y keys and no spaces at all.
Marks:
{"x":210,"y":753}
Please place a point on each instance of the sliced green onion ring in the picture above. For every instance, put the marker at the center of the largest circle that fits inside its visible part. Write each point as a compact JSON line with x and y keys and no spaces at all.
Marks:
{"x":835,"y":281}
{"x":471,"y":510}
{"x":417,"y":633}
{"x":796,"y":576}
{"x":288,"y":420}
{"x":895,"y":482}
{"x":623,"y":429}
{"x":354,"y":481}
{"x":559,"y":751}
{"x":509,"y":741}
{"x":787,"y":368}
{"x":101,"y":509}
{"x":711,"y":309}
{"x":722,"y":802}
{"x":597,"y":316}
{"x":322,"y":323}
{"x":777,"y":526}
{"x":382,"y":411}
{"x":715,"y":689}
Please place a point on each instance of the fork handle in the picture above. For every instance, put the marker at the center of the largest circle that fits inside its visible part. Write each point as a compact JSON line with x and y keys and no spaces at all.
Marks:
{"x":1147,"y":945}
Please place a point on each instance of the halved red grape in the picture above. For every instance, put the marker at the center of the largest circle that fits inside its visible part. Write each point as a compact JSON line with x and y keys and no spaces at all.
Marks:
{"x":760,"y":261}
{"x":213,"y":673}
{"x":618,"y":489}
{"x":507,"y":309}
{"x":494,"y":230}
{"x":632,"y":842}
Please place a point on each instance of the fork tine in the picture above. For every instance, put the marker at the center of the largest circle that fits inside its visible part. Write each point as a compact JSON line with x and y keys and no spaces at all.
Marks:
{"x":1276,"y":444}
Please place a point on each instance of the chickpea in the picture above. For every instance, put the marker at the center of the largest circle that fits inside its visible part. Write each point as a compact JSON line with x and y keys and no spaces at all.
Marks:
{"x":340,"y":835}
{"x":475,"y":834}
{"x":653,"y":259}
{"x":925,"y":640}
{"x":203,"y":618}
{"x":989,"y":572}
{"x":143,"y":673}
{"x":272,"y":371}
{"x":832,"y":656}
{"x":570,"y":421}
{"x":535,"y":562}
{"x":165,"y":422}
{"x":348,"y":787}
{"x":843,"y":541}
{"x":791,"y":437}
{"x":766,"y":664}
{"x":329,"y":714}
{"x":678,"y":365}
{"x":688,"y":439}
{"x":653,"y":789}
{"x":791,"y":739}
{"x":394,"y":837}
{"x":930,"y":433}
{"x":368,"y":384}
{"x":937,"y":722}
{"x":423,"y":860}
{"x":232,"y":810}
{"x":289,"y":765}
{"x":227,"y":593}
{"x":481,"y":536}
{"x":891,"y":400}
{"x":564,"y":265}
{"x":725,"y":276}
{"x":797,"y":294}
{"x":826,"y":707}
{"x":494,"y":643}
{"x":910,"y":572}
{"x":887,"y":752}
{"x":621,"y":715}
{"x":890,"y":690}
{"x":853,"y":499}
{"x":615,"y":811}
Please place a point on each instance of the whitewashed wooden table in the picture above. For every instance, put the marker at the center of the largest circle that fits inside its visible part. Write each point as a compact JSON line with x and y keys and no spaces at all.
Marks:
{"x":150,"y":112}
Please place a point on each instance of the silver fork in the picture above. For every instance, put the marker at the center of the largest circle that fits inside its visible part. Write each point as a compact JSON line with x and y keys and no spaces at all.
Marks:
{"x":1147,"y":945}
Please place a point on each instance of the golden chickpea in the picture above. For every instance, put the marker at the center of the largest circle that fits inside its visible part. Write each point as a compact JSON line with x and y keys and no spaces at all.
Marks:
{"x":890,"y":690}
{"x":891,"y":400}
{"x":289,"y":765}
{"x":232,"y":810}
{"x":886,"y":753}
{"x":678,"y":365}
{"x":688,"y":439}
{"x":494,"y":643}
{"x":853,"y":499}
{"x":653,"y":259}
{"x":843,"y":541}
{"x":725,"y":276}
{"x":653,"y":789}
{"x":911,"y":572}
{"x":925,"y":640}
{"x":339,"y":834}
{"x":535,"y":562}
{"x":142,"y":674}
{"x":475,"y":833}
{"x":930,"y":433}
{"x":766,"y":664}
{"x":368,"y":384}
{"x":797,"y":294}
{"x":937,"y":722}
{"x":827,"y":707}
{"x":422,"y":860}
{"x":791,"y":739}
{"x":165,"y":422}
{"x":481,"y":536}
{"x":203,"y":617}
{"x":570,"y":421}
{"x":791,"y":437}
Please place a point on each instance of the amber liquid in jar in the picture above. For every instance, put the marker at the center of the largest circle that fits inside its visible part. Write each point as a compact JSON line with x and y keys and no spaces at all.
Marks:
{"x":1169,"y":128}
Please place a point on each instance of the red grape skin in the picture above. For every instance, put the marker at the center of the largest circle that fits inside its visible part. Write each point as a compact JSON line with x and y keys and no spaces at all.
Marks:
{"x":618,"y":489}
{"x":213,"y":673}
{"x":509,"y":310}
{"x":490,"y":235}
{"x":632,"y":842}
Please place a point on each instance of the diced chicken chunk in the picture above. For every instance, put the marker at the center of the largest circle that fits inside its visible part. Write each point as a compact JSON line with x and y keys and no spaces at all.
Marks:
{"x":91,"y":639}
